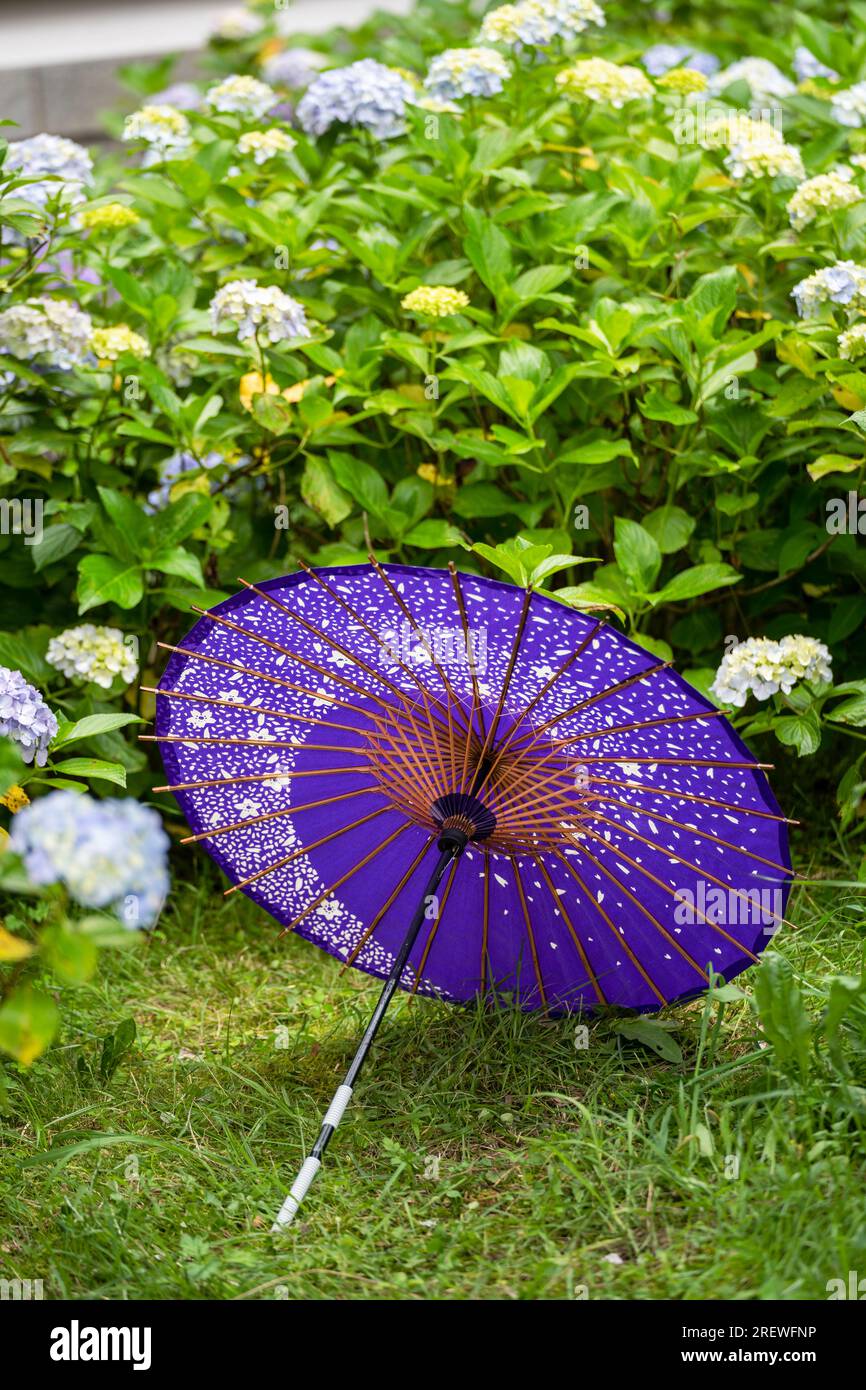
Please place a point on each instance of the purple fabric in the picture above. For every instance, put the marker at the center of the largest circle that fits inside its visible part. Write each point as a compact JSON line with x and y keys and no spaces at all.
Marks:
{"x":604,"y":926}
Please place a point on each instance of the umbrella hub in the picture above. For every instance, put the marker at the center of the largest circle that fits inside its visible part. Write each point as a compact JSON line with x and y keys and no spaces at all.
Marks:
{"x":464,"y":812}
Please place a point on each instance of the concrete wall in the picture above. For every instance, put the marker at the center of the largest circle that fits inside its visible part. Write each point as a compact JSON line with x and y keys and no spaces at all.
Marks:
{"x":58,"y":61}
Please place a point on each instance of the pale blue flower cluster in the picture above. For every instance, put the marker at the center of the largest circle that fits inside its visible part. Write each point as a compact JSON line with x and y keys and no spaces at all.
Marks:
{"x":65,"y":167}
{"x":108,"y":854}
{"x":843,"y":283}
{"x":24,"y":717}
{"x":849,"y":106}
{"x":806,"y":65}
{"x":172,"y":468}
{"x":663,"y":56}
{"x":364,"y":94}
{"x":466,"y":72}
{"x":294,"y":67}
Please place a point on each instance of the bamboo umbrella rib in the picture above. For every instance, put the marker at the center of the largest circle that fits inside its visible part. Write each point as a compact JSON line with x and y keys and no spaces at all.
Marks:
{"x":645,"y":910}
{"x":275,"y":815}
{"x":640,"y":724}
{"x":485,"y":922}
{"x":675,"y":855}
{"x":357,"y":949}
{"x":257,"y":777}
{"x":477,"y":708}
{"x":559,"y":904}
{"x":236,"y":668}
{"x":249,"y":742}
{"x":594,"y":699}
{"x":476,"y":786}
{"x":539,"y":980}
{"x":329,"y":641}
{"x":660,"y":883}
{"x":353,"y":613}
{"x":434,"y":927}
{"x":253,"y":709}
{"x":416,"y":628}
{"x":305,"y":849}
{"x":633,"y":786}
{"x":338,"y":883}
{"x":569,"y":661}
{"x":692,"y":830}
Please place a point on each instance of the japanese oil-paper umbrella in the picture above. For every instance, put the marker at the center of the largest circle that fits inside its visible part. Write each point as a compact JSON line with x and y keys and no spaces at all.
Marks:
{"x":469,"y":789}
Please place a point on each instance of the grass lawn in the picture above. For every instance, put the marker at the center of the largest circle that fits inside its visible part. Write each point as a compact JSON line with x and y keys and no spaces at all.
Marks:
{"x":485,"y":1156}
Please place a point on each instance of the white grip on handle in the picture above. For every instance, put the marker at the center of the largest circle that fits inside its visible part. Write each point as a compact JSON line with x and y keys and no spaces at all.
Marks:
{"x":300,"y":1188}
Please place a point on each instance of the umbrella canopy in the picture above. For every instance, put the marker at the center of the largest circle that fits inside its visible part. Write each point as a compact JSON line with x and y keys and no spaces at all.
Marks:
{"x":621,"y":842}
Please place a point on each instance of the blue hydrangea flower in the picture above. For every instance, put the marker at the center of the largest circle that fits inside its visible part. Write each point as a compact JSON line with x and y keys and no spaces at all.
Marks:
{"x":806,"y":65}
{"x":663,"y":56}
{"x":173,"y":468}
{"x":466,"y":72}
{"x":108,"y":854}
{"x":65,"y":167}
{"x":365,"y":93}
{"x":294,"y":67}
{"x":25,"y":717}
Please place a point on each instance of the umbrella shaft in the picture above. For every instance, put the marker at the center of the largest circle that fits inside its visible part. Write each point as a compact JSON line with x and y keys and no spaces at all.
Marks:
{"x":451,"y":843}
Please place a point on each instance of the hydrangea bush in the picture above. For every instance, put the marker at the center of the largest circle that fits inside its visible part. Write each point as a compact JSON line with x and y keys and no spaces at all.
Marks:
{"x":559,"y":290}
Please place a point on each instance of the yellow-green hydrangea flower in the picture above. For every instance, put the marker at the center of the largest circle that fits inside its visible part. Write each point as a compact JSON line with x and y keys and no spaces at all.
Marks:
{"x":264,"y":144}
{"x":599,"y":80}
{"x":435,"y":301}
{"x":109,"y":217}
{"x":822,"y":194}
{"x":110,"y":343}
{"x":852,"y":343}
{"x":682,"y":81}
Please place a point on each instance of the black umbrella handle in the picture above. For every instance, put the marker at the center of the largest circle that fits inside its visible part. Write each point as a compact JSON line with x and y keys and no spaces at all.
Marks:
{"x":451,"y":844}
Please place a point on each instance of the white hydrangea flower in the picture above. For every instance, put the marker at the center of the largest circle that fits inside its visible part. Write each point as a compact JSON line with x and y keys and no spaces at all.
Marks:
{"x":843,"y":283}
{"x":65,"y":167}
{"x":823,"y":193}
{"x":763,"y":667}
{"x":849,"y":106}
{"x":536,"y":23}
{"x":90,"y":653}
{"x":165,"y":129}
{"x":258,"y":309}
{"x":265,"y":144}
{"x":54,"y":329}
{"x":243,"y":96}
{"x":852,"y":343}
{"x":756,"y":150}
{"x":237,"y":23}
{"x":600,"y":80}
{"x":763,"y":79}
{"x":461,"y":72}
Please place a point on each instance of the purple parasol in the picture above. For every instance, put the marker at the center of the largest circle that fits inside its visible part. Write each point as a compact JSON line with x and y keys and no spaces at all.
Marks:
{"x":584,"y":828}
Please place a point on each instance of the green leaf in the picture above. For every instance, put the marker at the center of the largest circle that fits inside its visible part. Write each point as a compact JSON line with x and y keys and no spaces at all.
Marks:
{"x":179,"y":562}
{"x":320,"y":490}
{"x":28,"y":1022}
{"x":91,"y":724}
{"x":637,"y":554}
{"x":700,"y":579}
{"x":653,"y":1033}
{"x":127,"y":516}
{"x":656,"y":406}
{"x":849,"y":712}
{"x":57,"y":542}
{"x":102,"y":579}
{"x":95,"y":768}
{"x":782,"y":1013}
{"x":800,"y":731}
{"x":71,"y":955}
{"x":670,"y":527}
{"x":433,"y":534}
{"x":360,"y":480}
